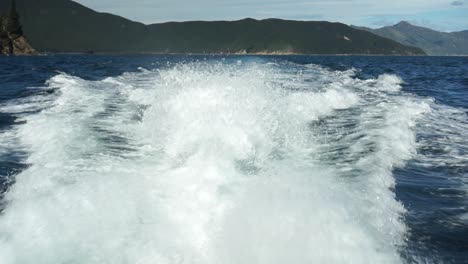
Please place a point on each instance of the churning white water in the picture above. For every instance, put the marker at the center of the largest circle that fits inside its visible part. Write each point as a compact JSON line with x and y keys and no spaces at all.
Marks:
{"x":211,"y":162}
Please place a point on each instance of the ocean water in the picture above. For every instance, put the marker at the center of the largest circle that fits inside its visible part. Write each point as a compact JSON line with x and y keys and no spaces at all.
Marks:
{"x":236,"y":159}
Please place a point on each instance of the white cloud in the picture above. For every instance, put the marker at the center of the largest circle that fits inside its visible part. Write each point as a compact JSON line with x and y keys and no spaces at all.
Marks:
{"x":458,"y":3}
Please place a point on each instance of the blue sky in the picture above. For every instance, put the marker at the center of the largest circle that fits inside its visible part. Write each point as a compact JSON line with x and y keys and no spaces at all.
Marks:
{"x":444,"y":15}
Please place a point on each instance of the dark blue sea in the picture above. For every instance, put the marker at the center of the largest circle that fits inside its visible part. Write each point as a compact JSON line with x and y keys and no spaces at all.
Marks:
{"x":233,"y":159}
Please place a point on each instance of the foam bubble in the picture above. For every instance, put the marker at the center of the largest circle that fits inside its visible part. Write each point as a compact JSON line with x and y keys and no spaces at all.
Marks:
{"x":212,"y":163}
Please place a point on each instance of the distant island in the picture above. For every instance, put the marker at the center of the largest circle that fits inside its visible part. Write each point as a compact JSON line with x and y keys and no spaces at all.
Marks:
{"x":12,"y":41}
{"x":66,"y":26}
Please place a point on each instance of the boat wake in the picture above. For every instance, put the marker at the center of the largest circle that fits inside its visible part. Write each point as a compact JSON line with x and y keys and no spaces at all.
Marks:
{"x":211,"y":162}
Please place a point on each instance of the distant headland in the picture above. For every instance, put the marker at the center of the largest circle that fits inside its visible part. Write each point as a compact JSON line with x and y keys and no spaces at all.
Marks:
{"x":431,"y":41}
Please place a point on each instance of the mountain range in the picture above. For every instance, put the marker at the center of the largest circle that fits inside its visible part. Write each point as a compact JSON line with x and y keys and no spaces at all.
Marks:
{"x":66,"y":26}
{"x":431,"y":41}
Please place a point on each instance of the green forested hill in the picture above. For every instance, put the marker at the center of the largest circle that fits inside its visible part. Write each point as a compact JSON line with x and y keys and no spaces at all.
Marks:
{"x":66,"y":26}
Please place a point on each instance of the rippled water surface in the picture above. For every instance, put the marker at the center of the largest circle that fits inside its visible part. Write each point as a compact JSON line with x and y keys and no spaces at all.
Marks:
{"x":210,"y":159}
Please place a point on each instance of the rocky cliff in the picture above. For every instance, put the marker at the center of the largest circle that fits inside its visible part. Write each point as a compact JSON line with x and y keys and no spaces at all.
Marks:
{"x":17,"y":45}
{"x":12,"y":41}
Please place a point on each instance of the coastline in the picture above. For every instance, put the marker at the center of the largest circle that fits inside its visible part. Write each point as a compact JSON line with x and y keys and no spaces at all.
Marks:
{"x":234,"y":54}
{"x":268,"y":54}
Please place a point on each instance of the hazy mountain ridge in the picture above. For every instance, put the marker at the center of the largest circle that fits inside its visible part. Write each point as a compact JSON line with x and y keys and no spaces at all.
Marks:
{"x":431,"y":41}
{"x":66,"y":26}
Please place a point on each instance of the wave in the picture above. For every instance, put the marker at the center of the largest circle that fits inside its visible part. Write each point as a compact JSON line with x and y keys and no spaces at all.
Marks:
{"x":211,"y":162}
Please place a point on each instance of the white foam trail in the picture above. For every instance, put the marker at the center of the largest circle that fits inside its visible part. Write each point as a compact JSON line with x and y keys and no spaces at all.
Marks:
{"x":388,"y":82}
{"x":212,"y":163}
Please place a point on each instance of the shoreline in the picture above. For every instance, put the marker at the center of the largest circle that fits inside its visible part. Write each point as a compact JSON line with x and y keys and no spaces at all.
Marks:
{"x":219,"y":54}
{"x":271,"y":54}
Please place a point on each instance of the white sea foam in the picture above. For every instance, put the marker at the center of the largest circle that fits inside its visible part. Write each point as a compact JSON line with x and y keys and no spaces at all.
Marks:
{"x":388,"y":82}
{"x":212,"y":163}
